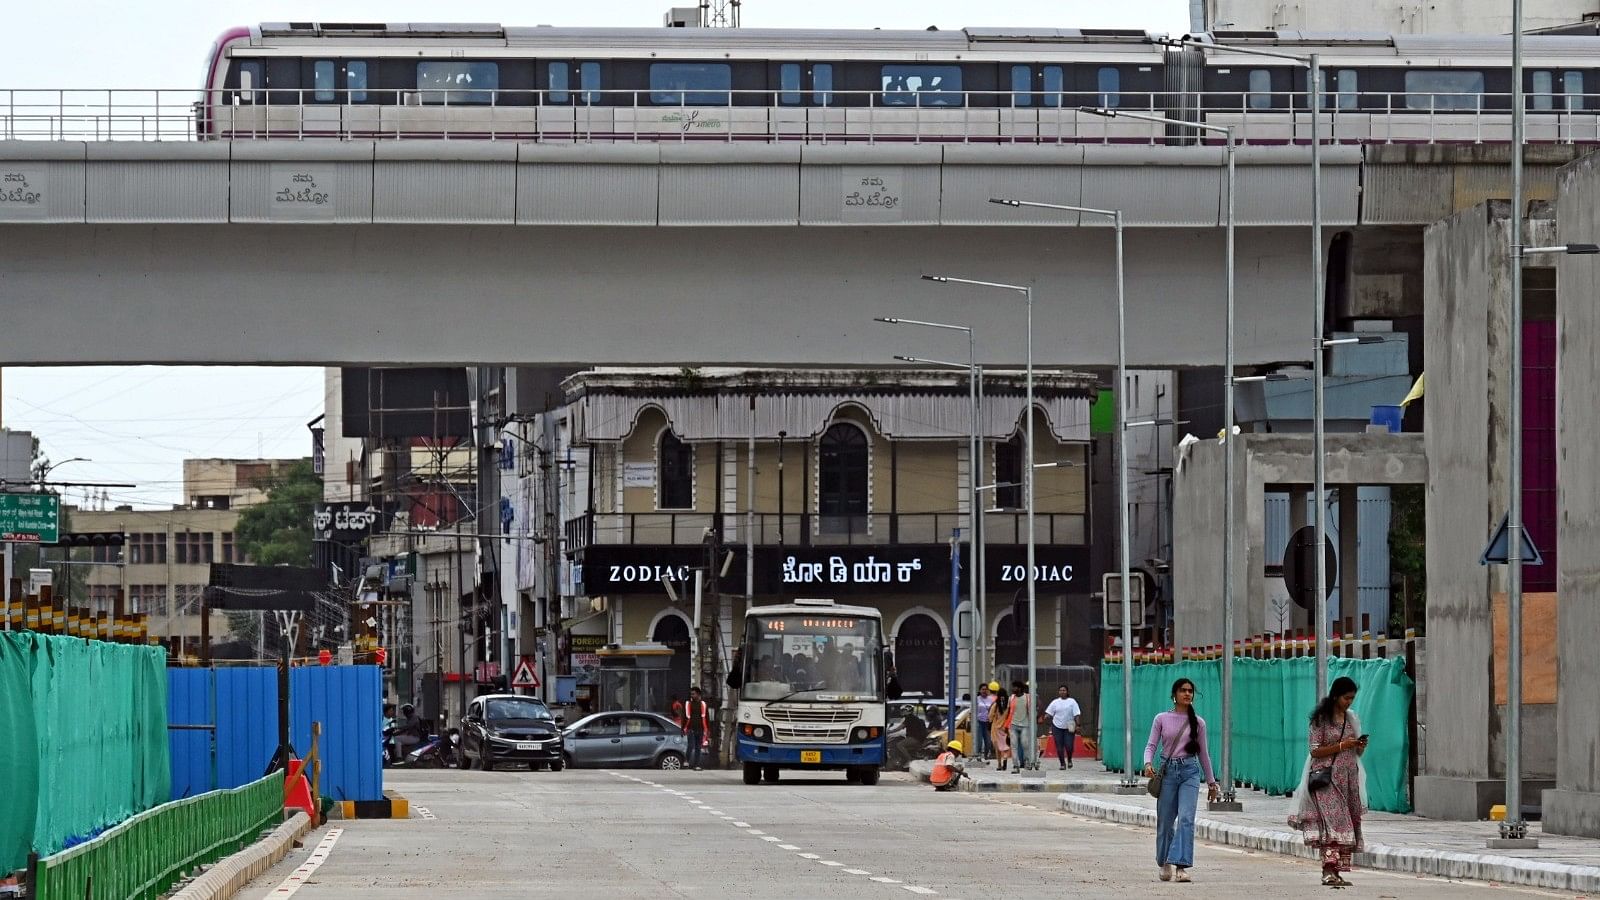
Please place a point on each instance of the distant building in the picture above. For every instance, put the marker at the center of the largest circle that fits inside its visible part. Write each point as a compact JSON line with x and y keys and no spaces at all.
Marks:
{"x":1403,"y":17}
{"x":168,"y":552}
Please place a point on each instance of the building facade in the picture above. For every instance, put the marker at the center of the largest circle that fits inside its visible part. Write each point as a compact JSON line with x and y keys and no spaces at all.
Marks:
{"x":848,"y":485}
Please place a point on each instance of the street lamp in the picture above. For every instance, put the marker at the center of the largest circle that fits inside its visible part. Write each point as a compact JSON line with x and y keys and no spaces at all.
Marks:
{"x":1028,"y":479}
{"x":44,"y":472}
{"x":1115,"y":215}
{"x":975,"y":392}
{"x":1313,"y":62}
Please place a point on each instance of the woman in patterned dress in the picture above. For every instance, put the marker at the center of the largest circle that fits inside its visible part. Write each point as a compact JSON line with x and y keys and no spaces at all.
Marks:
{"x":1330,"y":816}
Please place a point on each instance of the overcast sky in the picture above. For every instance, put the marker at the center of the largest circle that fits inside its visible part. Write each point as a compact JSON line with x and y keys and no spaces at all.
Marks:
{"x":138,"y":424}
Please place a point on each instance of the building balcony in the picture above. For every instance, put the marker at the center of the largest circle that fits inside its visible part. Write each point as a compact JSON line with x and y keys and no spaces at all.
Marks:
{"x":811,"y":529}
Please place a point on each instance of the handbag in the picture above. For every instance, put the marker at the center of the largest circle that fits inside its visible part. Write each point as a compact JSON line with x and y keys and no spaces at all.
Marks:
{"x":1322,"y":776}
{"x":1153,"y":786}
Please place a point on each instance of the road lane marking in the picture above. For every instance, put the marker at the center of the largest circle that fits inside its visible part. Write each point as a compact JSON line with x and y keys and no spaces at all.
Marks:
{"x":755,"y":832}
{"x":809,"y":856}
{"x":787,"y":847}
{"x":829,"y":862}
{"x":858,"y":871}
{"x":768,"y":837}
{"x":741,"y":824}
{"x":318,"y":856}
{"x":884,"y":879}
{"x":918,"y":890}
{"x":424,"y":812}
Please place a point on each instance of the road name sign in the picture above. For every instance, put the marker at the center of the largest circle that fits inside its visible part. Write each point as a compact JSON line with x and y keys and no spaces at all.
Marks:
{"x":30,"y":518}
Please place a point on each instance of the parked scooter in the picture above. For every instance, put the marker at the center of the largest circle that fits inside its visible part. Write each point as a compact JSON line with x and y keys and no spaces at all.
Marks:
{"x":435,"y":752}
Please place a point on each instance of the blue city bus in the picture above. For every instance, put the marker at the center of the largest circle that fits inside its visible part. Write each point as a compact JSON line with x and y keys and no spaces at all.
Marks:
{"x":811,"y":691}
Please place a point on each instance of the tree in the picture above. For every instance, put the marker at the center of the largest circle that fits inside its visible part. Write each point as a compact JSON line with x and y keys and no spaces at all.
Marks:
{"x":1408,"y":560}
{"x":277,"y":531}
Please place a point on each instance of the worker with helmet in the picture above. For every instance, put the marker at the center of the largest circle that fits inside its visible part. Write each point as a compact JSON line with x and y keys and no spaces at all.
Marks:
{"x":948,"y":768}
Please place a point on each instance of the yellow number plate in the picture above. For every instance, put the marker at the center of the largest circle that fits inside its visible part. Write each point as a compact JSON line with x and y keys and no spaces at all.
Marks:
{"x":811,"y":756}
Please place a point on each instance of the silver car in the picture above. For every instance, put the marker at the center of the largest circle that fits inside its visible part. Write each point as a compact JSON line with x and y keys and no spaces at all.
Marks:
{"x":625,"y":739}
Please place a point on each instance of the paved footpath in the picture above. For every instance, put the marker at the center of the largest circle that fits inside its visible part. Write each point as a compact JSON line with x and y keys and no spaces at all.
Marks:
{"x":597,"y":834}
{"x":1401,"y":843}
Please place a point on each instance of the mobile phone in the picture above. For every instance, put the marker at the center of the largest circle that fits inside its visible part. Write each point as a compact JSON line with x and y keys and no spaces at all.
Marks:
{"x":1363,"y":738}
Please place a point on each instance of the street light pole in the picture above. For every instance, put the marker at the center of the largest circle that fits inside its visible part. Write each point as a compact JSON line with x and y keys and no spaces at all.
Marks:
{"x":1122,"y":460}
{"x":1028,"y":479}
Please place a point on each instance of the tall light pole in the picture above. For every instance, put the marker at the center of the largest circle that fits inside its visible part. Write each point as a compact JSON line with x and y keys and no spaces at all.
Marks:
{"x":1120,"y":396}
{"x":1229,"y":799}
{"x":974,"y":395}
{"x":1027,"y":480}
{"x":1313,"y":62}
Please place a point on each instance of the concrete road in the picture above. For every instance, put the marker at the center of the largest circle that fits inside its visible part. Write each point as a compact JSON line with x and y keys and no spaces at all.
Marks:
{"x":641,"y":833}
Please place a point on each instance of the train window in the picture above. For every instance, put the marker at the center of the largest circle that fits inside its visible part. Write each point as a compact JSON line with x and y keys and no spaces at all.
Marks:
{"x":1348,"y":92}
{"x":1541,"y":90}
{"x":355,"y":80}
{"x":439,"y":81}
{"x":249,"y":81}
{"x":589,"y":82}
{"x":1055,"y":83}
{"x":1443,"y":89}
{"x":921,"y":85}
{"x":1572,"y":88}
{"x":789,"y":84}
{"x":322,"y":87}
{"x":558,"y":92}
{"x":690,"y":84}
{"x":822,"y":84}
{"x":1108,"y":82}
{"x":1022,"y":85}
{"x":1260,"y":96}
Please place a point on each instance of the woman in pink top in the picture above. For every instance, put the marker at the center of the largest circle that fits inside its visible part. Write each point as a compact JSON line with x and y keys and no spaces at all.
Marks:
{"x":1181,"y":736}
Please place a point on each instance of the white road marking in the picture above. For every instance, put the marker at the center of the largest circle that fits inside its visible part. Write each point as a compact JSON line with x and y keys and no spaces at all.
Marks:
{"x":318,"y":856}
{"x":829,"y":862}
{"x":755,"y":832}
{"x":809,"y":856}
{"x":424,"y":812}
{"x":918,"y":890}
{"x":741,"y":824}
{"x":787,"y":847}
{"x":884,"y":879}
{"x":768,"y":837}
{"x":858,"y":871}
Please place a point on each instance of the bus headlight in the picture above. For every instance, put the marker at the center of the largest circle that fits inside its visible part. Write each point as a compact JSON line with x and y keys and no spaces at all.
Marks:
{"x":758,"y":732}
{"x":862,"y":735}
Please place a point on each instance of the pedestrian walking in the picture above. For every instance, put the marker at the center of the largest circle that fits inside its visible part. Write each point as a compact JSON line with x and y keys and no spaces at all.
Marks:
{"x":1000,"y":726}
{"x":1021,"y":714}
{"x":1063,"y":713}
{"x":983,"y":706}
{"x":697,"y":725}
{"x":1329,"y":802}
{"x":1181,"y":737}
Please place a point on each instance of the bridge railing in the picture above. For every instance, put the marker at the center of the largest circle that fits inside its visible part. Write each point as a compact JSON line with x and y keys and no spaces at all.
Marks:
{"x":627,"y":116}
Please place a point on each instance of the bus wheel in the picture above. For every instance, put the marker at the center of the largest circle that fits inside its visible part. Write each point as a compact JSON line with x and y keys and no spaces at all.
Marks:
{"x":752,"y":773}
{"x":869,"y":776}
{"x":770,"y":773}
{"x":852,"y":776}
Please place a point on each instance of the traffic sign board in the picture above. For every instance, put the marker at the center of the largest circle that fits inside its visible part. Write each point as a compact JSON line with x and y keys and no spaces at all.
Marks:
{"x":1498,"y":550}
{"x":524,"y":676}
{"x":30,"y":518}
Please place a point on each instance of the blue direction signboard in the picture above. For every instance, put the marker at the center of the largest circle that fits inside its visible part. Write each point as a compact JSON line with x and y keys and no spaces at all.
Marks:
{"x":30,"y":518}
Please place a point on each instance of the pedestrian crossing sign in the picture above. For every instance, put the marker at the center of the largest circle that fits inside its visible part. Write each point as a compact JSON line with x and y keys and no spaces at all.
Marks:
{"x":524,"y":676}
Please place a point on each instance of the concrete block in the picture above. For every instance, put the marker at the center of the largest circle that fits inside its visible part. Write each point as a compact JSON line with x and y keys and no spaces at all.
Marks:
{"x":1571,"y":812}
{"x":232,"y":873}
{"x":1469,"y":799}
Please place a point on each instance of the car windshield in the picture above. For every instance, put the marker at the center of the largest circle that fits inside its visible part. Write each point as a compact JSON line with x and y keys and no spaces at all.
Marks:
{"x":812,"y":657}
{"x":509,"y":708}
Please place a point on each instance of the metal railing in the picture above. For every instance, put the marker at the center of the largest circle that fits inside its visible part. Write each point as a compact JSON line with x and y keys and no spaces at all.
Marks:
{"x":144,"y":855}
{"x":813,"y":529}
{"x":632,"y":116}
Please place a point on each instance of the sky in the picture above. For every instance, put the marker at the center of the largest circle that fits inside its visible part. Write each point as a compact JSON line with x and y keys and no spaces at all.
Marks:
{"x":136,"y":425}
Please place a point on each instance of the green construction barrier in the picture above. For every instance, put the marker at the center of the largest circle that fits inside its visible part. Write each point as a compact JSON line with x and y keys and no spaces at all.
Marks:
{"x":145,"y":855}
{"x":1272,"y":706}
{"x":85,"y":739}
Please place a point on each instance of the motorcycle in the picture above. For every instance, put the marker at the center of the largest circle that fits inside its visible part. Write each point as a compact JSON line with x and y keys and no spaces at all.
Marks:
{"x":437,"y":751}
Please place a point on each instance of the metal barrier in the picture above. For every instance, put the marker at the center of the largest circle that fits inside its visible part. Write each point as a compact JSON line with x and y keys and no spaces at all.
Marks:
{"x":631,"y":116}
{"x":146,"y":854}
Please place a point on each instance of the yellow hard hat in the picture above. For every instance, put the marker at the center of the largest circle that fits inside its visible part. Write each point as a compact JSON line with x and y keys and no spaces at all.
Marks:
{"x":994,"y":685}
{"x":956,"y":746}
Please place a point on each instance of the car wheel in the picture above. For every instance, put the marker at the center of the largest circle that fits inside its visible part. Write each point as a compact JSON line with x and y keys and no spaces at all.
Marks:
{"x":567,"y":759}
{"x":669,"y":760}
{"x":557,"y":765}
{"x":770,"y":773}
{"x":463,"y":761}
{"x":485,"y":764}
{"x":869,"y":777}
{"x":752,"y":773}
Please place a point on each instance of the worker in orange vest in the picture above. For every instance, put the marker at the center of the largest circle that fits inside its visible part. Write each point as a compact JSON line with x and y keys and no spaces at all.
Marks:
{"x":948,"y":768}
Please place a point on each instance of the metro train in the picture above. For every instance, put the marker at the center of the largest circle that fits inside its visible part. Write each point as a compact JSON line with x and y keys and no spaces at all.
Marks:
{"x":369,"y":80}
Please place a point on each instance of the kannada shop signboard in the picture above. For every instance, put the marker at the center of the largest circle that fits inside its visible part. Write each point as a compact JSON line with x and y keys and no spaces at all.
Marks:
{"x":609,"y":570}
{"x":30,"y":518}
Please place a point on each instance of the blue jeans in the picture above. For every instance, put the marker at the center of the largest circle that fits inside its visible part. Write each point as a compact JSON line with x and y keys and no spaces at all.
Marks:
{"x":1064,"y":743}
{"x":1019,"y":745}
{"x":985,"y":745}
{"x":1180,"y":791}
{"x":694,"y":739}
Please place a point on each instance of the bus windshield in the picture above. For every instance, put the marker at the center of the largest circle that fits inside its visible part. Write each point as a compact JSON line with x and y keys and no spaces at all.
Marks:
{"x":812,"y":657}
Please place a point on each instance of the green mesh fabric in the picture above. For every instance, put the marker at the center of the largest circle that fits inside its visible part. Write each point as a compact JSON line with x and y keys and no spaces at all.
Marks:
{"x":1271,"y":712}
{"x":85,"y":742}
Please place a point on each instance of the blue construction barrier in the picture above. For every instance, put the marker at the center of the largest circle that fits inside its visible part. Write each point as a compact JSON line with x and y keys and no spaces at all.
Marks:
{"x":242,"y":704}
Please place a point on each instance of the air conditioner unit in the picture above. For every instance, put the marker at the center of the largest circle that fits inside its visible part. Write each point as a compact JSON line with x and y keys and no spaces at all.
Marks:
{"x":682,"y":17}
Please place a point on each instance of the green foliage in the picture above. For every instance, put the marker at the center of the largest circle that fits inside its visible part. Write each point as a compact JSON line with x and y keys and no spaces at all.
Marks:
{"x":1408,"y":559}
{"x":277,"y":532}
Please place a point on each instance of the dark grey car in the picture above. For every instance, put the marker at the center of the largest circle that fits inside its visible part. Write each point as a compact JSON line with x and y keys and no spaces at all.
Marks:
{"x":625,"y":739}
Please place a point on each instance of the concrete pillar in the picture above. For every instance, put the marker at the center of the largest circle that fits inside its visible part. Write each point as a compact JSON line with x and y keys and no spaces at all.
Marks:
{"x":1573,"y":807}
{"x":1349,"y":556}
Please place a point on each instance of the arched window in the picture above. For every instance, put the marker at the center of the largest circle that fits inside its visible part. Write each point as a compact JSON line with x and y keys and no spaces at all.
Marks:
{"x":842,"y":479}
{"x":1008,"y":471}
{"x":676,"y":460}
